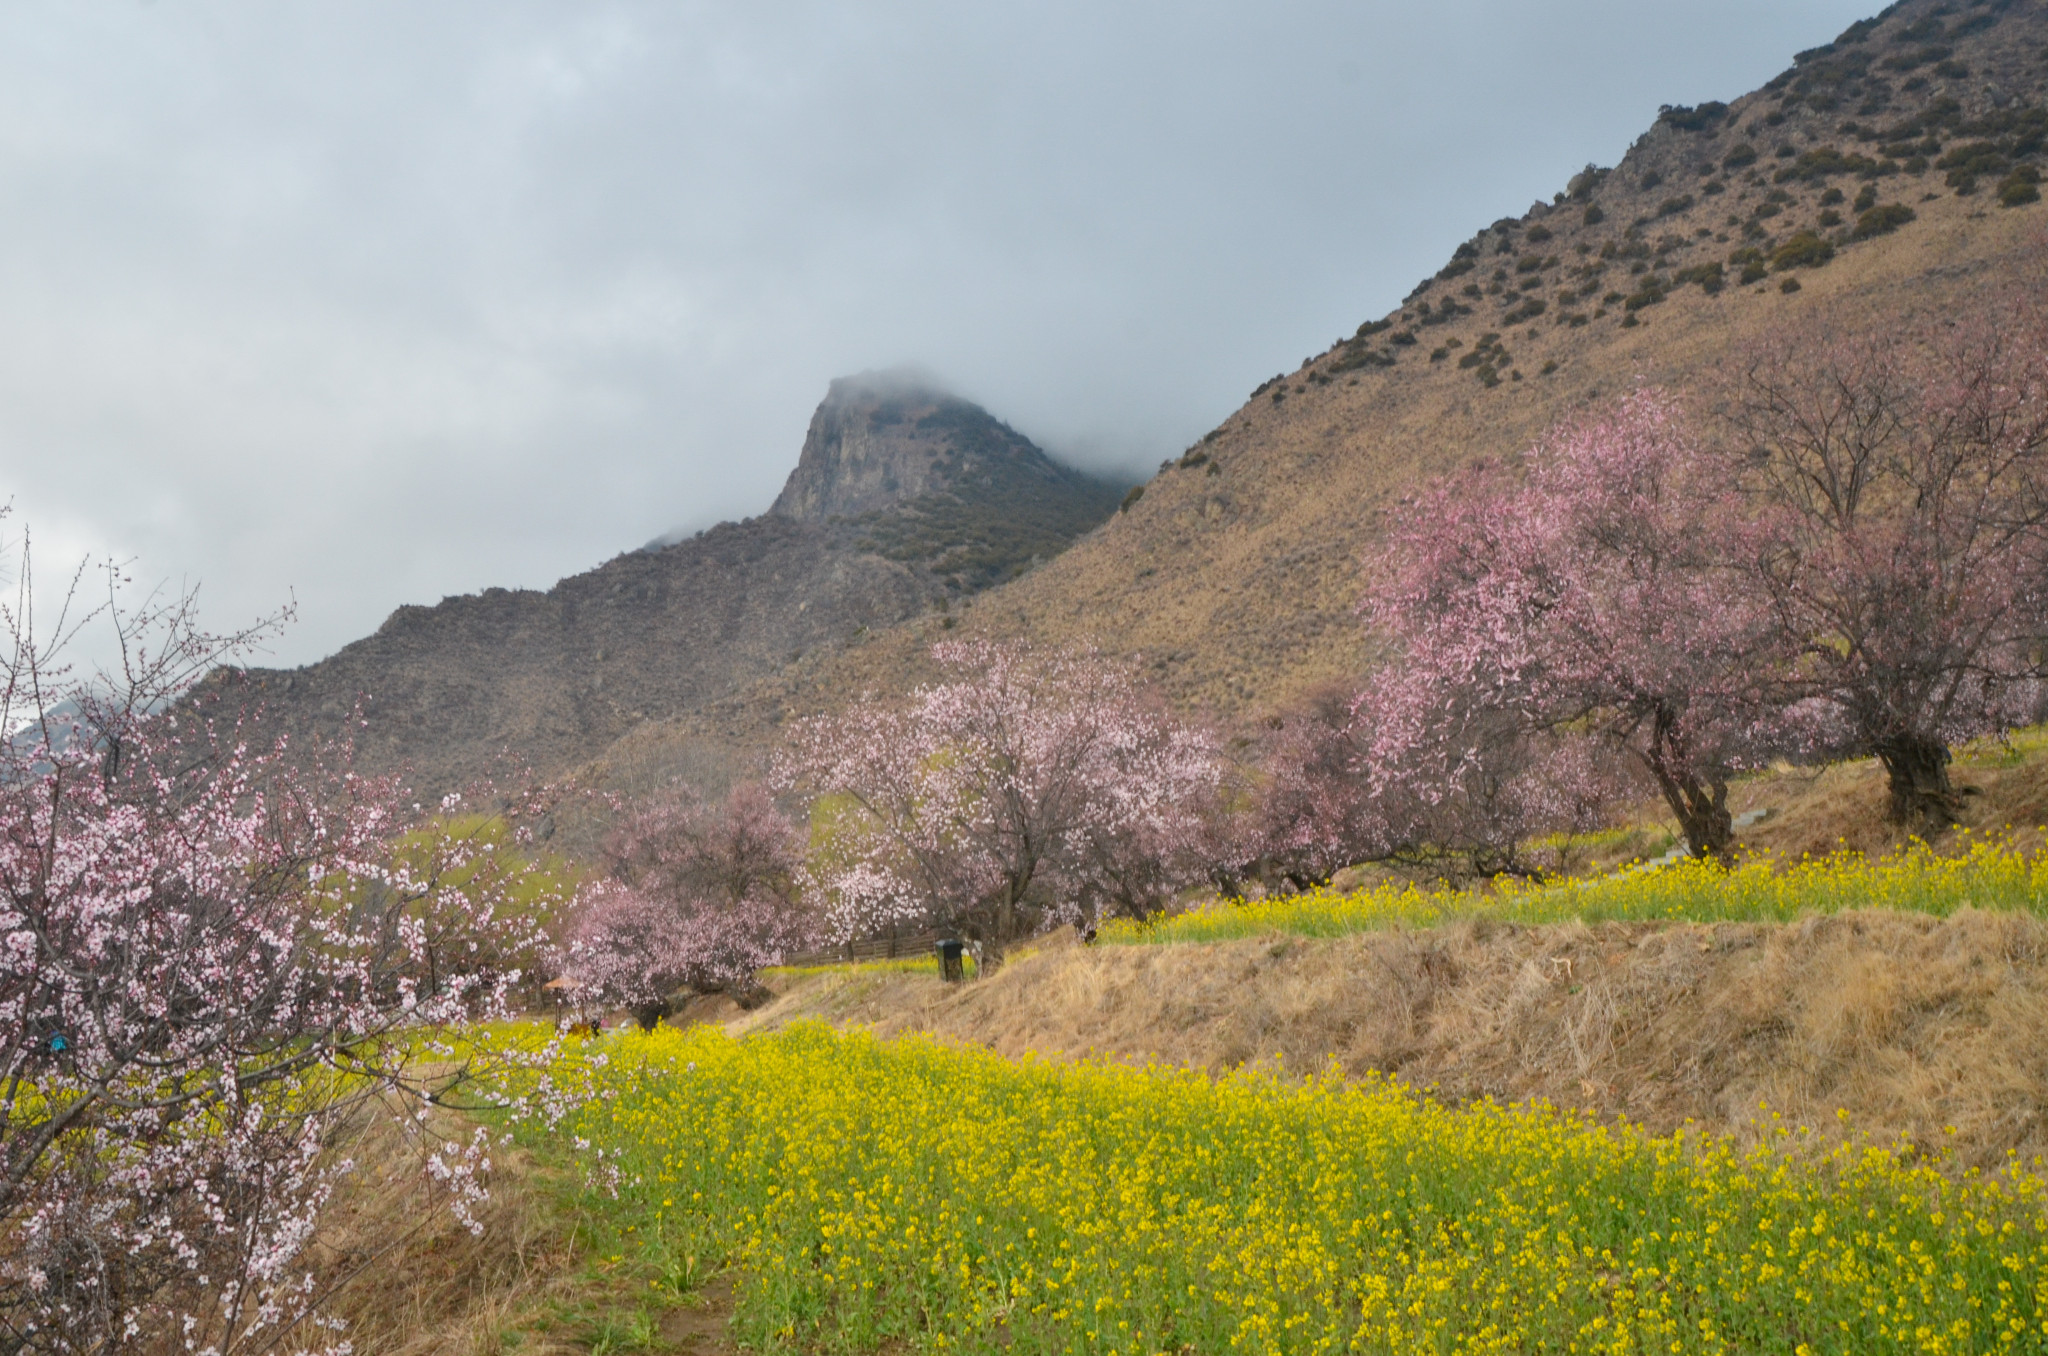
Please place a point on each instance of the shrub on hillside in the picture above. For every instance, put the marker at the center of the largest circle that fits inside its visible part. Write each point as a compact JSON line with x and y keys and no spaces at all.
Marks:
{"x":1965,"y":163}
{"x":1825,"y":162}
{"x":1882,"y":220}
{"x":1709,"y":276}
{"x":1742,"y":155}
{"x":1804,"y":249}
{"x":2020,"y":187}
{"x":1692,"y":119}
{"x":1650,"y":293}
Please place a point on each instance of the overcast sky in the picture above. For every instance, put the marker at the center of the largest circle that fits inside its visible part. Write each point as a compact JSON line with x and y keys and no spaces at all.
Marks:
{"x":371,"y":303}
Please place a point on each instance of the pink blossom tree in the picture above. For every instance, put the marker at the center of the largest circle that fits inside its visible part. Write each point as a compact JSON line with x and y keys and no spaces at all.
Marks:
{"x":207,"y":962}
{"x":1314,"y":811}
{"x":1029,"y":788}
{"x":1899,"y":479}
{"x":702,"y":897}
{"x":1323,"y":803}
{"x":1588,"y":596}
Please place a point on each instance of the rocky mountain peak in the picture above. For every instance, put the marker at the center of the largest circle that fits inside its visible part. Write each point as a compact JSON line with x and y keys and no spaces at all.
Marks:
{"x":880,"y":439}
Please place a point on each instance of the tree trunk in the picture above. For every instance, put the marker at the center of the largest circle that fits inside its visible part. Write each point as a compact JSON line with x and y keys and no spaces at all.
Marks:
{"x":649,"y":1015}
{"x":1922,"y":799}
{"x":1702,"y":811}
{"x":1701,"y":806}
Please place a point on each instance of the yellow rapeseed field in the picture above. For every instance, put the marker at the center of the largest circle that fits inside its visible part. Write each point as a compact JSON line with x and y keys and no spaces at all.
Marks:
{"x":1990,"y":875}
{"x":873,"y":1193}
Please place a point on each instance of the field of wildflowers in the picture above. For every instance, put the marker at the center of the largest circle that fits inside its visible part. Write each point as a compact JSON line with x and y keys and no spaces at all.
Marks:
{"x":1990,"y":875}
{"x":872,"y":1193}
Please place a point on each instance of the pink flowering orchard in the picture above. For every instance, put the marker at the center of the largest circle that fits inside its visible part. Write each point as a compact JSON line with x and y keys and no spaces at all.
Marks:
{"x":207,"y":960}
{"x":1031,"y":787}
{"x":1590,"y":595}
{"x":1849,"y":556}
{"x":701,"y":896}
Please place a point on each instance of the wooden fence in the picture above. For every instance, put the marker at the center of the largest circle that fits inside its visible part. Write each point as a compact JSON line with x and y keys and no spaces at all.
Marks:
{"x":888,"y":946}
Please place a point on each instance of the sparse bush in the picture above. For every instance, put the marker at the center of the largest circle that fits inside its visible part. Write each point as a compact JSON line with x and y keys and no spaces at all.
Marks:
{"x":1671,"y":207}
{"x":1692,"y":119}
{"x":1536,"y":235}
{"x":1866,"y":199}
{"x":1131,"y":496}
{"x":1882,"y":220}
{"x":1823,"y":162}
{"x":1804,"y":250}
{"x":1713,"y":188}
{"x":1830,"y":217}
{"x":1593,"y":215}
{"x":1965,"y":163}
{"x":1649,"y":294}
{"x":1742,"y":155}
{"x":1709,"y":276}
{"x":1652,"y":179}
{"x":2020,"y":187}
{"x":1831,"y":197}
{"x":1789,"y":285}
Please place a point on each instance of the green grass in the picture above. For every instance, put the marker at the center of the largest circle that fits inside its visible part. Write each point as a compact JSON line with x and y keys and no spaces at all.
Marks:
{"x":1987,"y":876}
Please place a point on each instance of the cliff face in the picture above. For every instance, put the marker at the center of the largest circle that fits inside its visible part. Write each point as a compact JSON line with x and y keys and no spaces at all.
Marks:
{"x":476,"y":685}
{"x":881,"y":438}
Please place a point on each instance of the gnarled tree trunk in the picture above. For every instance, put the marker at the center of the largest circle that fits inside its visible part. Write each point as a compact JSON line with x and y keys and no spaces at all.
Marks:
{"x":1922,"y":798}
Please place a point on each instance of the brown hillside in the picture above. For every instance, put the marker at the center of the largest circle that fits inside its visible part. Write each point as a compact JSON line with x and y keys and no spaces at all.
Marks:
{"x":1235,"y":574}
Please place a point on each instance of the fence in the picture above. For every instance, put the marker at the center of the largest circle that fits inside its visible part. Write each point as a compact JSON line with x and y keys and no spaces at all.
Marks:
{"x":889,"y":946}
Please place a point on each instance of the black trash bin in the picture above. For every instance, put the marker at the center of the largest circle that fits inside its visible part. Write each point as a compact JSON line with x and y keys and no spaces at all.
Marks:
{"x":950,"y":968}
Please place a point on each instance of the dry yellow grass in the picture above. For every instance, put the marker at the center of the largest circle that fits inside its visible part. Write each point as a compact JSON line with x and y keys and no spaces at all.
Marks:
{"x":1930,"y":1029}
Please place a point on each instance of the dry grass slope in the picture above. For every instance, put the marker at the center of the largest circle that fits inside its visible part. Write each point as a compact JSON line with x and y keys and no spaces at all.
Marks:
{"x":1916,"y":1027}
